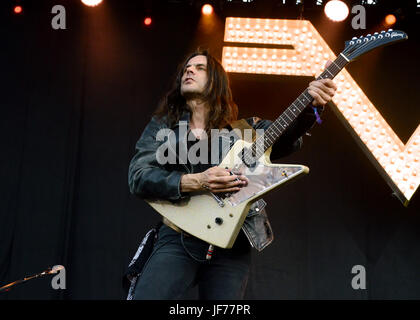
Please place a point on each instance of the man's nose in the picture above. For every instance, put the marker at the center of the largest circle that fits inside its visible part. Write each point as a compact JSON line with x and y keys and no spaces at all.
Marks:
{"x":190,"y":70}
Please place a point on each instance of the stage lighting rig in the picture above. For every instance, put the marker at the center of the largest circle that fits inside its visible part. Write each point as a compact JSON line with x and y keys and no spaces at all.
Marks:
{"x":147,"y":21}
{"x":207,"y":9}
{"x":336,"y":10}
{"x":369,"y":2}
{"x":91,"y":3}
{"x":18,"y":9}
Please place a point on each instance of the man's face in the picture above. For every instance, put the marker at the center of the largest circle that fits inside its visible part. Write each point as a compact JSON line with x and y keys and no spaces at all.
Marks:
{"x":194,"y":78}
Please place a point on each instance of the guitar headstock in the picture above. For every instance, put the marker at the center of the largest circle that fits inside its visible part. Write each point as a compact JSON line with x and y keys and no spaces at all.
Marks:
{"x":358,"y":46}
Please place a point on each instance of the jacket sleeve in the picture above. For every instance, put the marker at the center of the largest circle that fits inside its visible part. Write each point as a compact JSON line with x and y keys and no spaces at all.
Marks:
{"x":291,"y":140}
{"x":146,"y":177}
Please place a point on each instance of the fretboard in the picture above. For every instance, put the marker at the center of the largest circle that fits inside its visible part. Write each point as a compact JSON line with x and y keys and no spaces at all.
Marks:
{"x":280,"y":125}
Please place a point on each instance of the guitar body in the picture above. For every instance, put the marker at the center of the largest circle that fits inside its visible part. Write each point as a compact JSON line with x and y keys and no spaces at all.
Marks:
{"x":216,"y":219}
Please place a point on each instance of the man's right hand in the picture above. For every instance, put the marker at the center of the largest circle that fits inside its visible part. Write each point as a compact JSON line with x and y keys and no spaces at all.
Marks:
{"x":214,"y":179}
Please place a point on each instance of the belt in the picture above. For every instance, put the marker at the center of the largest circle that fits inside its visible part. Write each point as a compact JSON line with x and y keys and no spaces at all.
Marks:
{"x":174,"y":227}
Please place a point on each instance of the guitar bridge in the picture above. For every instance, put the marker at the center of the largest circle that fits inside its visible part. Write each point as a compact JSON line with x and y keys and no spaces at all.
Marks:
{"x":219,"y":201}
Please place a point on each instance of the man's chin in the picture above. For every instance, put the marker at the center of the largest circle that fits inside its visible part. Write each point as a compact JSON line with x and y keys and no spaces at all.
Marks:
{"x":188,"y":95}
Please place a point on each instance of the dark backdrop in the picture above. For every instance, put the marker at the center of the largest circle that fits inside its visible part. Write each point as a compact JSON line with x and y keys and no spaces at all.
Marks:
{"x":75,"y":101}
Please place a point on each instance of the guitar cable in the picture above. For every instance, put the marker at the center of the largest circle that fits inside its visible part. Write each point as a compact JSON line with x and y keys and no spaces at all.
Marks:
{"x":208,"y":255}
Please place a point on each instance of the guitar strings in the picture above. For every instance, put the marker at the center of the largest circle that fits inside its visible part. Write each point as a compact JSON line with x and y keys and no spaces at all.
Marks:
{"x":256,"y":148}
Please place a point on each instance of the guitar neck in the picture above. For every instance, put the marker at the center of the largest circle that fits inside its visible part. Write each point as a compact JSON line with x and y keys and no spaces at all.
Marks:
{"x":280,"y":125}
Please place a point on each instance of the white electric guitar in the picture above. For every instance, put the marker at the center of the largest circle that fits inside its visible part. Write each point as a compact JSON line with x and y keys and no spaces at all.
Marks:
{"x":217,"y":219}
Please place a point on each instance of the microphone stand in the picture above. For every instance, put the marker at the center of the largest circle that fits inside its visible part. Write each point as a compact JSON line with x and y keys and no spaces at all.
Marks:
{"x":7,"y":287}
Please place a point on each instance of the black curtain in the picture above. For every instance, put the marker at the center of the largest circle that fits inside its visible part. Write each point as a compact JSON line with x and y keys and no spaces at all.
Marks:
{"x":75,"y":101}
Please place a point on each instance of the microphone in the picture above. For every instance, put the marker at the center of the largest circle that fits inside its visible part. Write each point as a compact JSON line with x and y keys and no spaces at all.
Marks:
{"x":55,"y":269}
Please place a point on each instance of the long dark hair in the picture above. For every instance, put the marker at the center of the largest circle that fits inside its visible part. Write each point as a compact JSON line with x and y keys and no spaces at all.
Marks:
{"x":217,"y":95}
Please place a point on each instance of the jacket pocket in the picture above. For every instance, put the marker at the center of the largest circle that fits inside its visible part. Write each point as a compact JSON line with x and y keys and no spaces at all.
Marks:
{"x":256,"y":208}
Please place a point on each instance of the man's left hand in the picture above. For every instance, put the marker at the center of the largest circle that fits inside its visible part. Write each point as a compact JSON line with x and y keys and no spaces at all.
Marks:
{"x":322,"y":90}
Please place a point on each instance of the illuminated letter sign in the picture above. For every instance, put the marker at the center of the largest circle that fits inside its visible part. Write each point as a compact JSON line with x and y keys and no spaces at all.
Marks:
{"x":399,"y":164}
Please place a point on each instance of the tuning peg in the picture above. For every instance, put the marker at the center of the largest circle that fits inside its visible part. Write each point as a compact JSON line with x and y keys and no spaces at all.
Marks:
{"x":389,"y":30}
{"x":375,"y":33}
{"x":383,"y":31}
{"x":354,"y":38}
{"x":368,"y":35}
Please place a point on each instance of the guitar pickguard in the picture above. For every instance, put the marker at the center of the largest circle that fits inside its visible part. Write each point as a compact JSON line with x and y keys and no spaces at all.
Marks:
{"x":261,"y":178}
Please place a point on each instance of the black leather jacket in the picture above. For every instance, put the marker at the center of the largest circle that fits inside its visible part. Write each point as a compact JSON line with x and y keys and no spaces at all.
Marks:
{"x":149,"y":179}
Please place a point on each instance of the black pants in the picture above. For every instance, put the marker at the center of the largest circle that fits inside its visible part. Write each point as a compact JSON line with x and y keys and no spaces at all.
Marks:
{"x":171,"y":271}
